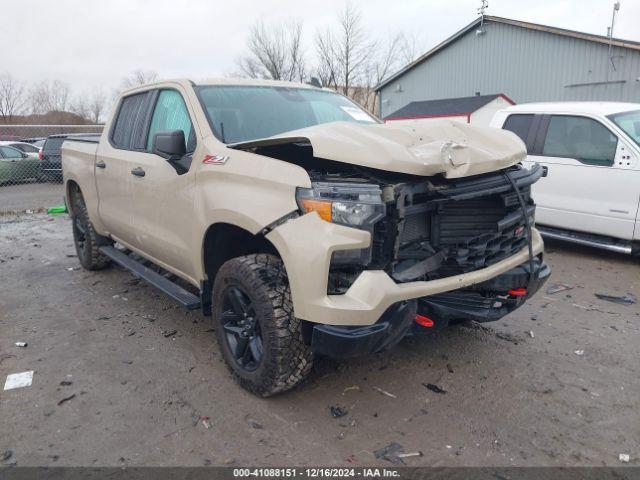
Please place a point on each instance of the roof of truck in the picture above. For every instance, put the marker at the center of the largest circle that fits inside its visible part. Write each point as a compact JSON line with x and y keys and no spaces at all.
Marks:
{"x":226,"y":81}
{"x":602,"y":108}
{"x":251,"y":81}
{"x":73,"y":135}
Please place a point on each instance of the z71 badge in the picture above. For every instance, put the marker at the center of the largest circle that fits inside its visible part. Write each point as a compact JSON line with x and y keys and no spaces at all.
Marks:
{"x":215,"y":159}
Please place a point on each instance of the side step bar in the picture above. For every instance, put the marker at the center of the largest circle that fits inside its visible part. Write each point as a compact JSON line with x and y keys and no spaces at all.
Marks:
{"x":590,"y":240}
{"x":187,"y":299}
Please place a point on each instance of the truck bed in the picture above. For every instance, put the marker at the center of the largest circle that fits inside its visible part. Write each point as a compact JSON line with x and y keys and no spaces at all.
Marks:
{"x":78,"y":165}
{"x":88,"y":138}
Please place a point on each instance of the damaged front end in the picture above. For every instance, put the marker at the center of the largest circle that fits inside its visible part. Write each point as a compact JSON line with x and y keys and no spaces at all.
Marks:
{"x":424,"y":230}
{"x":432,"y":230}
{"x":444,"y":235}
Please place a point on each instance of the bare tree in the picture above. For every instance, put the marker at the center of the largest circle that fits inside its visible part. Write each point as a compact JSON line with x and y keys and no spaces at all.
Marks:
{"x":275,"y":52}
{"x":59,"y":96}
{"x":399,"y":51}
{"x":344,"y":54}
{"x":327,"y":69}
{"x":39,"y":98}
{"x":249,"y":67}
{"x":80,"y":106}
{"x":96,"y":105}
{"x":138,"y":77}
{"x":12,"y":96}
{"x":409,"y":48}
{"x":387,"y":59}
{"x":50,"y":97}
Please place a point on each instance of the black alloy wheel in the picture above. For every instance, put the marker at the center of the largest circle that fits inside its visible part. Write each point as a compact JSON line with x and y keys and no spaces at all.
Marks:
{"x":260,"y":338}
{"x":242,"y":328}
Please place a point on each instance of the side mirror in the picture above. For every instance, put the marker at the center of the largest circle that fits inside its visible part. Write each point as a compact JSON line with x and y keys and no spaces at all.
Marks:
{"x":169,"y":144}
{"x":24,"y":155}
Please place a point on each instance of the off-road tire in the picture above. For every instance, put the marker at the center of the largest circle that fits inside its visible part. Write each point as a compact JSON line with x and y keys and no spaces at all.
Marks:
{"x":89,"y":255}
{"x":286,"y":358}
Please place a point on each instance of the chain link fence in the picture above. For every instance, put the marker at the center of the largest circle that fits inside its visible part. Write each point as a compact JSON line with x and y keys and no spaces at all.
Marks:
{"x":30,"y":164}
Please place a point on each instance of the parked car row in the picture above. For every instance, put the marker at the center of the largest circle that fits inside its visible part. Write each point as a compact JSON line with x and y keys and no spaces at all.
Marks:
{"x":33,"y":159}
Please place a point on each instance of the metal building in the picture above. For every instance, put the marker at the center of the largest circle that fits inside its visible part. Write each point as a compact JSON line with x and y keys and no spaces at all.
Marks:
{"x":525,"y":61}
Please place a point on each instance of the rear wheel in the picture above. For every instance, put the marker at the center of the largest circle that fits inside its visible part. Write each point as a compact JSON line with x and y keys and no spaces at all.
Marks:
{"x":260,"y":338}
{"x":85,"y":238}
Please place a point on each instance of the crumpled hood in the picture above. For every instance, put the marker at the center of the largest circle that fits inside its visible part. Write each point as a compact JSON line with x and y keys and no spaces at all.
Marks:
{"x":451,"y":148}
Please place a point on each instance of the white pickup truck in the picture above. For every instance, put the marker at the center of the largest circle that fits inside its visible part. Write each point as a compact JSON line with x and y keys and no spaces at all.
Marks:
{"x":591,"y":194}
{"x":592,"y":152}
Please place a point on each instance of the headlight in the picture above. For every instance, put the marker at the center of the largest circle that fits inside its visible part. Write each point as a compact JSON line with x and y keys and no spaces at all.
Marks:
{"x":353,"y":205}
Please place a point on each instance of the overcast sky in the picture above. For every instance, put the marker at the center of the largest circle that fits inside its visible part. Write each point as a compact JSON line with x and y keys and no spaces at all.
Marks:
{"x":93,"y":44}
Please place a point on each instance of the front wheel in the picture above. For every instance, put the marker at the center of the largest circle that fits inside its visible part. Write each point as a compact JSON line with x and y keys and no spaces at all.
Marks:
{"x":260,"y":338}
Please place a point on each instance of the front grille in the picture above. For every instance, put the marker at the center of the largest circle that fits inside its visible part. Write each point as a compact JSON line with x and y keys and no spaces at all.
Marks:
{"x":483,"y":250}
{"x":473,"y":234}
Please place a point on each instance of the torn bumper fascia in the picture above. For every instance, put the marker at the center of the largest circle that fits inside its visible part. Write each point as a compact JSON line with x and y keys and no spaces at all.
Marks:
{"x":306,"y":245}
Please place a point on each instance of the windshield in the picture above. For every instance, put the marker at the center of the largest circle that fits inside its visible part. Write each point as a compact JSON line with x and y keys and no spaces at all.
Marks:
{"x":242,"y":113}
{"x":629,"y":122}
{"x":53,"y":144}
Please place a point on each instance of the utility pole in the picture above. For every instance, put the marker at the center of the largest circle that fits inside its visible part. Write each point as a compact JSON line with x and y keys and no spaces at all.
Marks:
{"x":616,"y":9}
{"x":484,"y":4}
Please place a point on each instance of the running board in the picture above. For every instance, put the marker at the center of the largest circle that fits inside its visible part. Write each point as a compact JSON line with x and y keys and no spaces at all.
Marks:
{"x":184,"y":297}
{"x":590,"y":240}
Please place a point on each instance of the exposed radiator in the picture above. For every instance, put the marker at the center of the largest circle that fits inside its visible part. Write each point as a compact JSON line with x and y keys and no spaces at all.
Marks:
{"x":474,"y":233}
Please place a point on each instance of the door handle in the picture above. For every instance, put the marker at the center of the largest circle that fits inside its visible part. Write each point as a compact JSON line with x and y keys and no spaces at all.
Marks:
{"x":101,"y":164}
{"x":138,"y":172}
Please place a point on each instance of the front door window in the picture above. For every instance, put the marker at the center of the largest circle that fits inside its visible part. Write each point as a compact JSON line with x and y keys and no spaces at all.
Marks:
{"x":171,"y":114}
{"x":581,"y":138}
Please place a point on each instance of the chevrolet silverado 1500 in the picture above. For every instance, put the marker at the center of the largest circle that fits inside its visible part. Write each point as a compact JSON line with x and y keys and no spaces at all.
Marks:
{"x":303,"y":225}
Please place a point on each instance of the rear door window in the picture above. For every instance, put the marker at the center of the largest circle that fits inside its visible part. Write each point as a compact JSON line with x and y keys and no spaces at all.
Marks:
{"x":581,"y":138}
{"x":520,"y":124}
{"x":129,"y":130}
{"x":171,"y":114}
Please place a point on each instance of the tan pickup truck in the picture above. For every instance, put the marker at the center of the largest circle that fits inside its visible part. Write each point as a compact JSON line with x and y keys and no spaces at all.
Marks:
{"x":303,"y":225}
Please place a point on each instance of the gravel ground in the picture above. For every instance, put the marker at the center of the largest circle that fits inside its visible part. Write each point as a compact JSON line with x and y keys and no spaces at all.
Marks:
{"x":111,"y":389}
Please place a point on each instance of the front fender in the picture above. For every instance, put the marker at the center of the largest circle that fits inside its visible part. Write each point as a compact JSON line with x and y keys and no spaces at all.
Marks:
{"x":248,"y":191}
